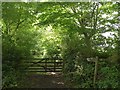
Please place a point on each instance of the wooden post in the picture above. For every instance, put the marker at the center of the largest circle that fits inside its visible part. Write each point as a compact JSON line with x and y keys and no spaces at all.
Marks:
{"x":95,"y":72}
{"x":45,"y":65}
{"x":54,"y":65}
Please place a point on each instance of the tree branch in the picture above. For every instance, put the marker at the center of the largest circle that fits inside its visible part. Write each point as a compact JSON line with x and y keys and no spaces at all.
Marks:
{"x":18,"y":24}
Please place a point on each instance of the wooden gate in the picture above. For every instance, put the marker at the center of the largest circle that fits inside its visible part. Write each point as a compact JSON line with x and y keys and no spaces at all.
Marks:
{"x":44,"y":65}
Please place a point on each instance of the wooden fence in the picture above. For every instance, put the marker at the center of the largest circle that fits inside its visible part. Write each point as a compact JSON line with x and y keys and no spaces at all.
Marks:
{"x":44,"y":65}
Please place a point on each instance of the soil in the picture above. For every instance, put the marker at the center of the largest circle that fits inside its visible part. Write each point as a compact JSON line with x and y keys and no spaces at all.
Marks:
{"x":51,"y":80}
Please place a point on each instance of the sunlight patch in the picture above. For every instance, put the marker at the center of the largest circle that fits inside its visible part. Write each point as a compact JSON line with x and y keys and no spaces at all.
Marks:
{"x":108,"y":34}
{"x":51,"y":73}
{"x":60,"y":83}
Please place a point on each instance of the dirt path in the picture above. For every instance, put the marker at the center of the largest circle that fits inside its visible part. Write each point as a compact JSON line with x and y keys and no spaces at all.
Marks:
{"x":45,"y":81}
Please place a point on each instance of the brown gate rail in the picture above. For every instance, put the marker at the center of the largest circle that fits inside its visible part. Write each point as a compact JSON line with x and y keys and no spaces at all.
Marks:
{"x":44,"y":64}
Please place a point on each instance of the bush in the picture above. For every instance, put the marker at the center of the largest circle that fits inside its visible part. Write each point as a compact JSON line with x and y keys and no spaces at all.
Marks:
{"x":11,"y":77}
{"x":108,"y":77}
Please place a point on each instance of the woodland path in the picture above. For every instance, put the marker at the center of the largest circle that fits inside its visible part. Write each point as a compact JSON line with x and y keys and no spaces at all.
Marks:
{"x":51,"y":80}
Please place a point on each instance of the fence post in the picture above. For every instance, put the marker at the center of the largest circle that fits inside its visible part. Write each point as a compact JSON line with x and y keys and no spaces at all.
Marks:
{"x":45,"y":65}
{"x":95,"y":72}
{"x":54,"y":65}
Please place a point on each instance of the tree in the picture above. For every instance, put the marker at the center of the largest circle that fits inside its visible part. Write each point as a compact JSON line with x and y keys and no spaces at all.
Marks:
{"x":19,"y":37}
{"x":83,"y":26}
{"x":74,"y":31}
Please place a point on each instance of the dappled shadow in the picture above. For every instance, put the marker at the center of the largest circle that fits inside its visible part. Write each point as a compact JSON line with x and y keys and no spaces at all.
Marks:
{"x":51,"y":80}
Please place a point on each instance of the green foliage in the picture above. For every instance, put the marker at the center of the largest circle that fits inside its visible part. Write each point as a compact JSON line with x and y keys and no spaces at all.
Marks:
{"x":81,"y":77}
{"x":12,"y":78}
{"x":107,"y":76}
{"x":72,"y":31}
{"x":9,"y":80}
{"x":18,"y":39}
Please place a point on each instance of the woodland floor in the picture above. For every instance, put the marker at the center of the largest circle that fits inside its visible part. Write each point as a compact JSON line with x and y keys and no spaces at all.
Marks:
{"x":51,"y":80}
